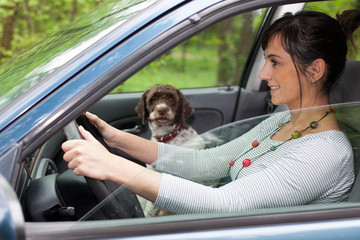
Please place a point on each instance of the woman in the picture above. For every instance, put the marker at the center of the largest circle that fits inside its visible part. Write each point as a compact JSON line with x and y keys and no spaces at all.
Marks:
{"x":286,"y":160}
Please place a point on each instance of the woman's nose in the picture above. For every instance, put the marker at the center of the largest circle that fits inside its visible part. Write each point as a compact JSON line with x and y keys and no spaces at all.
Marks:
{"x":264,"y":73}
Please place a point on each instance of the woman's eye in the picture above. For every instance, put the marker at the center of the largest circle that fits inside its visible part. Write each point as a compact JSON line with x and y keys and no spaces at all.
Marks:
{"x":274,"y":63}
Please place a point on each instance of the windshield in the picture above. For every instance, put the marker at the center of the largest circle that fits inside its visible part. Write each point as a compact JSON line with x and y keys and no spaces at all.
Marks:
{"x":20,"y":74}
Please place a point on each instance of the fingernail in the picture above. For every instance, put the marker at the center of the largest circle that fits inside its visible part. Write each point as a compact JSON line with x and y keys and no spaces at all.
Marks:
{"x":89,"y":114}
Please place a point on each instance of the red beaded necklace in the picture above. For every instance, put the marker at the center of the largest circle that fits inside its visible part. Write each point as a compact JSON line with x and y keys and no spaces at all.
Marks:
{"x":296,"y":134}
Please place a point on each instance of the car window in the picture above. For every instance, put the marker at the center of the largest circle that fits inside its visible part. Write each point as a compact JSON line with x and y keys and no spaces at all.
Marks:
{"x":215,"y":57}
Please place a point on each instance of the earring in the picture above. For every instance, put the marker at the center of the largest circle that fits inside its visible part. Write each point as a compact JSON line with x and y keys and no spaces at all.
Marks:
{"x":312,"y":81}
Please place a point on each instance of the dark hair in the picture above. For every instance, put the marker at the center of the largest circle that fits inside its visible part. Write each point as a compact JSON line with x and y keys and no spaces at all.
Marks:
{"x":309,"y":35}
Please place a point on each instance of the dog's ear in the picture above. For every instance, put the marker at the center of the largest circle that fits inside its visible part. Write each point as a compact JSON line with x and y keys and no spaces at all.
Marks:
{"x":185,"y":109}
{"x":141,"y":109}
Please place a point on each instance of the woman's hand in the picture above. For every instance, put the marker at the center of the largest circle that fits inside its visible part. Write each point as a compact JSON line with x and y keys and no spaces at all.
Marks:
{"x":107,"y":131}
{"x":88,"y":157}
{"x":142,"y":149}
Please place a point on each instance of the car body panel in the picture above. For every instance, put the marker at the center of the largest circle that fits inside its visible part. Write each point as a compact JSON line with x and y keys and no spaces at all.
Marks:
{"x":11,"y":218}
{"x":347,"y":229}
{"x":291,"y":225}
{"x":63,"y":95}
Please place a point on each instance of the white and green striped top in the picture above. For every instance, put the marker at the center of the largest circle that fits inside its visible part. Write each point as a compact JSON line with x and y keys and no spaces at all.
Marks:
{"x":316,"y":168}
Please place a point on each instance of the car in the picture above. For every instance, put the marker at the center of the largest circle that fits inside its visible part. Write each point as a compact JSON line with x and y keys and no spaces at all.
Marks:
{"x":102,"y":63}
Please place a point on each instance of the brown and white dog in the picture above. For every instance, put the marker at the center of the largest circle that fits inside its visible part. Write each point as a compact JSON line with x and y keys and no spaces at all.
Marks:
{"x":166,"y":110}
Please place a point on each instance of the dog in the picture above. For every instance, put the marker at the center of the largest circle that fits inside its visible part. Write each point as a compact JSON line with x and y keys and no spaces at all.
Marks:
{"x":166,"y":110}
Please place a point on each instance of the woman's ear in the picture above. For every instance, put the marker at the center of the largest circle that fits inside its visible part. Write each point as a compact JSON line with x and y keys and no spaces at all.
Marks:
{"x":317,"y":70}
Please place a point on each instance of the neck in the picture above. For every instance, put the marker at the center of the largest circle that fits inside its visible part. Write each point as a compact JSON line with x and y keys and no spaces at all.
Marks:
{"x":304,"y":116}
{"x":309,"y":108}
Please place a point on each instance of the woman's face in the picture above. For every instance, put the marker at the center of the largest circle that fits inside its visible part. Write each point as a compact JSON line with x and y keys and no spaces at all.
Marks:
{"x":280,"y":73}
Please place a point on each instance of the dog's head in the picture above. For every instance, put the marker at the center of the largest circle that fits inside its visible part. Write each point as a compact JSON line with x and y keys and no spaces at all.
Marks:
{"x":164,"y":105}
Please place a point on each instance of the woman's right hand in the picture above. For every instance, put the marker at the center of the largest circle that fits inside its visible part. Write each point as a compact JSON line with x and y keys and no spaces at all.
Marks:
{"x":107,"y":131}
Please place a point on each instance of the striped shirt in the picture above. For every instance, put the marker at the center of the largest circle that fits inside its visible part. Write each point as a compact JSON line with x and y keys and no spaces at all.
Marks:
{"x":315,"y":168}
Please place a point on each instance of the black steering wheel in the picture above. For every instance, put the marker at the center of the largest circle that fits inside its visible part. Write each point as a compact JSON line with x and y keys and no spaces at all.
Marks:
{"x":123,"y":203}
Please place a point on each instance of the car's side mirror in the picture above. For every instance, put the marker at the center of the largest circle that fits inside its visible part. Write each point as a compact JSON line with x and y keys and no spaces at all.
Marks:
{"x":11,"y":218}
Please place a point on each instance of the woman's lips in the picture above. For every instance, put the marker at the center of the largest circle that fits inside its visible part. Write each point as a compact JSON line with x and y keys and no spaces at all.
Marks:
{"x":274,"y":88}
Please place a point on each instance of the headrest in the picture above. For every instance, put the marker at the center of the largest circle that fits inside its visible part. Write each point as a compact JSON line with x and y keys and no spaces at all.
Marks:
{"x":347,"y":88}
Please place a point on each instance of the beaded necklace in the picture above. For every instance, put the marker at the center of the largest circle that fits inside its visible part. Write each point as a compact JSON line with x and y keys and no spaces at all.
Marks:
{"x":296,"y":134}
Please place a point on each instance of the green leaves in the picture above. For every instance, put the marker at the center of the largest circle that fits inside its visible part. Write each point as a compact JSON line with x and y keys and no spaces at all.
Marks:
{"x":36,"y":19}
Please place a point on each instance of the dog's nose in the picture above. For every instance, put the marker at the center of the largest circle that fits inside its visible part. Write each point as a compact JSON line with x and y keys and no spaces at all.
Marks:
{"x":162,"y":111}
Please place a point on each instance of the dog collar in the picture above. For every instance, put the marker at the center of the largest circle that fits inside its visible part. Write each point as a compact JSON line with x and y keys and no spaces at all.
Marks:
{"x":169,"y":136}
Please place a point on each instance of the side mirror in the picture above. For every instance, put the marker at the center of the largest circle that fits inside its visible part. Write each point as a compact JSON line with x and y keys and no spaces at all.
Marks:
{"x":12,"y":224}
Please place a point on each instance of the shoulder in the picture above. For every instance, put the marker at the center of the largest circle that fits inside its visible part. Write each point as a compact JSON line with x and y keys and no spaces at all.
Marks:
{"x":334,"y":138}
{"x":330,"y":144}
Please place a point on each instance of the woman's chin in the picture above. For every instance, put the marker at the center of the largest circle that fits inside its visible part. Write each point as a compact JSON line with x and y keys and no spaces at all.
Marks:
{"x":276,"y":100}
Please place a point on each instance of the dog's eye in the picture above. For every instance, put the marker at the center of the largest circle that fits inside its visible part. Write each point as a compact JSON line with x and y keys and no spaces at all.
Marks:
{"x":170,"y":97}
{"x":154,"y":98}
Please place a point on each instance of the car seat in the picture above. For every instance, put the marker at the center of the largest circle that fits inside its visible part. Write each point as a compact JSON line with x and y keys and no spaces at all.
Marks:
{"x":347,"y":90}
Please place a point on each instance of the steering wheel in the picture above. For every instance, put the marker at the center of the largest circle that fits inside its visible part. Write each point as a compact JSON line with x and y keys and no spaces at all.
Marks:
{"x":124,"y":203}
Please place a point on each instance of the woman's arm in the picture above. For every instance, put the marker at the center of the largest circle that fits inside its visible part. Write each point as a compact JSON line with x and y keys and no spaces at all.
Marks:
{"x":315,"y":172}
{"x":137,"y":147}
{"x":211,"y":163}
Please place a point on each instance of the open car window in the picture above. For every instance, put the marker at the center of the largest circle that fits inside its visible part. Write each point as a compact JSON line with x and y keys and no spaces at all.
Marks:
{"x":211,"y":58}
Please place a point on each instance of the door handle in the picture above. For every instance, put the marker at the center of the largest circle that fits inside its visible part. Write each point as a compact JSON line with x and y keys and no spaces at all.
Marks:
{"x":136,"y":129}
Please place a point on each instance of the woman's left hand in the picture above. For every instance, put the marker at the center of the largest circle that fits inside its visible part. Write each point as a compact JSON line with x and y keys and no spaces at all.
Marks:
{"x":88,"y":157}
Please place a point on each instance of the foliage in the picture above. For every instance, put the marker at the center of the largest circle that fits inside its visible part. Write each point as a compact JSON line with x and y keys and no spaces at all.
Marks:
{"x":339,"y":6}
{"x":36,"y":19}
{"x":211,"y":58}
